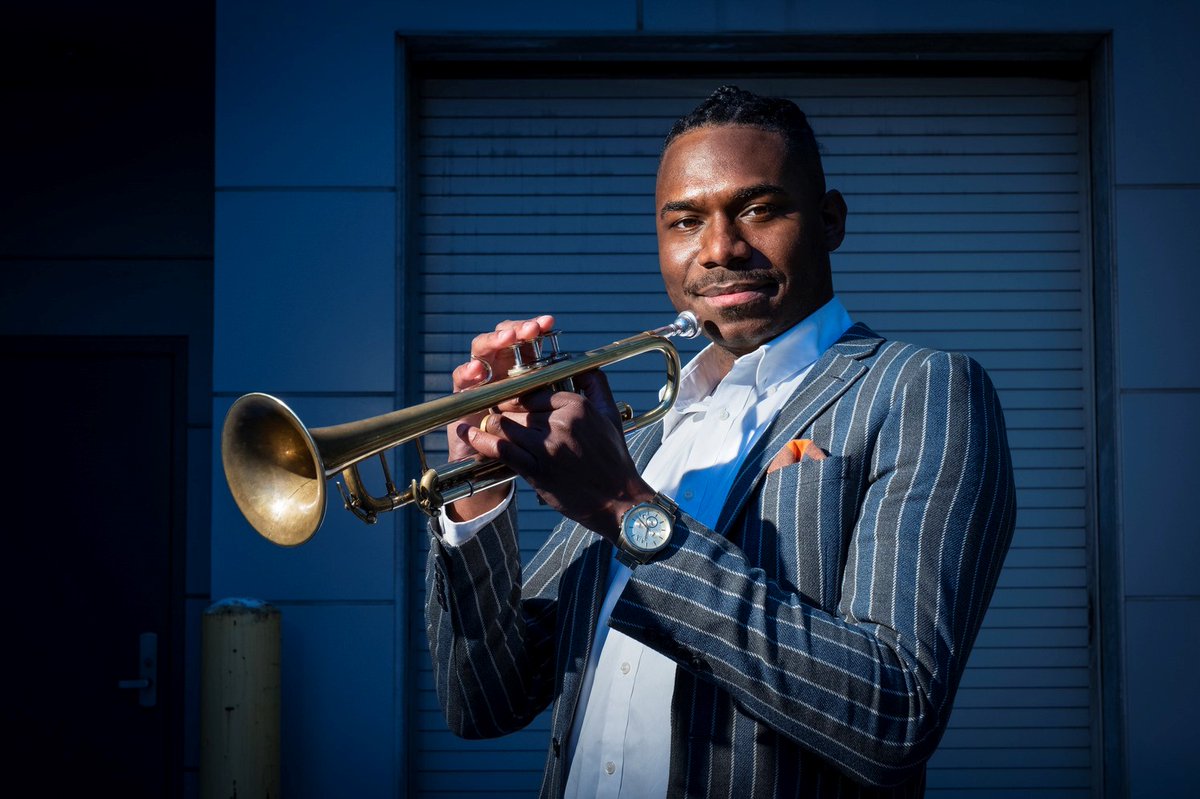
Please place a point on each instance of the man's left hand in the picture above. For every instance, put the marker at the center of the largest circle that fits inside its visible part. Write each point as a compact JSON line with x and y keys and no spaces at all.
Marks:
{"x":570,"y":448}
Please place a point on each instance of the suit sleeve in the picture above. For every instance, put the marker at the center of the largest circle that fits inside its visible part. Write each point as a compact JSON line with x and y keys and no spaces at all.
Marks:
{"x":870,"y":687}
{"x":490,"y":637}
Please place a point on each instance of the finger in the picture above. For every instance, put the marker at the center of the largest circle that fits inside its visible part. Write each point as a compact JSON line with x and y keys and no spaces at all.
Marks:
{"x":547,"y":403}
{"x":492,"y":351}
{"x":504,"y":425}
{"x":488,"y":344}
{"x":594,"y":386}
{"x":497,"y":448}
{"x":528,"y":328}
{"x":539,"y":400}
{"x":468,"y":375}
{"x":495,"y":348}
{"x":530,"y":433}
{"x":545,"y":323}
{"x":510,"y":331}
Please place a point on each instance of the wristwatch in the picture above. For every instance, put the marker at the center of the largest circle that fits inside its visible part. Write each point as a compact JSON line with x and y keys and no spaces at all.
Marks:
{"x":645,"y":530}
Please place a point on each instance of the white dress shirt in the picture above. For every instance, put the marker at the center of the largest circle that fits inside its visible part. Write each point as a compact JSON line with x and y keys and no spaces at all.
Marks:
{"x":620,"y":739}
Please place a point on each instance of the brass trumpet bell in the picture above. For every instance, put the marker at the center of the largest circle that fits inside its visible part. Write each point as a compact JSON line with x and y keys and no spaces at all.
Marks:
{"x":276,"y":467}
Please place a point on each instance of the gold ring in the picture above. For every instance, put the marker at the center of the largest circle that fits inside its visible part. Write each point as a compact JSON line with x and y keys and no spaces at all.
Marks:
{"x":484,"y":422}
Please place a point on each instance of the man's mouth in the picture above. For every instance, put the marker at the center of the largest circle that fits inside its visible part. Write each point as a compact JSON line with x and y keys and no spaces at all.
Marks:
{"x":727,"y":295}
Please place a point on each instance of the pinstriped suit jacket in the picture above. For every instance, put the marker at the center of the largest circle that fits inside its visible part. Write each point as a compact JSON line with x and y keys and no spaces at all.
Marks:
{"x":820,"y":629}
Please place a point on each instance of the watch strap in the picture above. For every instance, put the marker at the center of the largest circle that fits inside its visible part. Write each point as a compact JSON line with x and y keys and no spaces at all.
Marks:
{"x":625,"y":557}
{"x":668,"y":505}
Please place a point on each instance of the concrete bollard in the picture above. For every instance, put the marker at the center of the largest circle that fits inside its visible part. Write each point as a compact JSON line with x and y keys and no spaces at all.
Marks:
{"x":239,"y":701}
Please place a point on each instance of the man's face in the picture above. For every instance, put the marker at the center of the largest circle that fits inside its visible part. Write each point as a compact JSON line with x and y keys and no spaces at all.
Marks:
{"x":743,"y":238}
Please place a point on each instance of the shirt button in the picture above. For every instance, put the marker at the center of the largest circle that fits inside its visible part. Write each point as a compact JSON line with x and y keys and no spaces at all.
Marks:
{"x":624,"y":668}
{"x":724,"y":414}
{"x":688,"y":494}
{"x":610,"y":767}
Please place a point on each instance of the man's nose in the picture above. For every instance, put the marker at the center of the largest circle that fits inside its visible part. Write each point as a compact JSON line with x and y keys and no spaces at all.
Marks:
{"x":722,"y":244}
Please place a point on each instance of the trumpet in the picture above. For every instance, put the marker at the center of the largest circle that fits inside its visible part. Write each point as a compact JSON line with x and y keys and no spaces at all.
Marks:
{"x":277,"y":468}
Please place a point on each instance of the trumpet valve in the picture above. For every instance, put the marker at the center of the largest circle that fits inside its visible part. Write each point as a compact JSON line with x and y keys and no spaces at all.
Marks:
{"x":542,"y":351}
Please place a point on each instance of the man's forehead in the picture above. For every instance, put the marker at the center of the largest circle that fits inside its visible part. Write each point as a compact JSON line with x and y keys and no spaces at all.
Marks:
{"x":715,"y":141}
{"x":720,"y":159}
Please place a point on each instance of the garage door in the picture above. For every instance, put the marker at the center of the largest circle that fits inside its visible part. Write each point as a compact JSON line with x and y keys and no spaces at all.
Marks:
{"x":967,"y":231}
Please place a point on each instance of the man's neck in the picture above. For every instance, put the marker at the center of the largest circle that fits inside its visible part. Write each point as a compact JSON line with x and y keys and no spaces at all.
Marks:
{"x":723,"y":361}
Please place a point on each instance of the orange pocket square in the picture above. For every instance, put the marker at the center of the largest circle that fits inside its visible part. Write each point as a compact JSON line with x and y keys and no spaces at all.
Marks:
{"x":795,"y":451}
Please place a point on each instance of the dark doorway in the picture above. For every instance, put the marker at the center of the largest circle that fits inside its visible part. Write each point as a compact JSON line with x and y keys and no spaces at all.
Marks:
{"x":94,"y":469}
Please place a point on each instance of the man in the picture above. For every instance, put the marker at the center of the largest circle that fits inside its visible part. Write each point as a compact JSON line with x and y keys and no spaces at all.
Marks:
{"x":774,"y":591}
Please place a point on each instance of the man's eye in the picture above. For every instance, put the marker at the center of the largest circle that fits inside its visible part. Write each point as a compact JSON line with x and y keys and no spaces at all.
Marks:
{"x":686,"y":223}
{"x":760,"y":211}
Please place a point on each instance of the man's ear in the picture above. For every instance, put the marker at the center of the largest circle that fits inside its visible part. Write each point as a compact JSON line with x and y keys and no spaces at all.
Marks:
{"x":833,"y":218}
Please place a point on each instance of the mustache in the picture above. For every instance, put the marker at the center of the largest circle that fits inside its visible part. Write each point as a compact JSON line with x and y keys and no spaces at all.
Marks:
{"x":716,"y":277}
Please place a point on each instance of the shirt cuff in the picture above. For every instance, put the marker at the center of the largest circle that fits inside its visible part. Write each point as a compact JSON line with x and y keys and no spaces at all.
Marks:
{"x":455,"y":534}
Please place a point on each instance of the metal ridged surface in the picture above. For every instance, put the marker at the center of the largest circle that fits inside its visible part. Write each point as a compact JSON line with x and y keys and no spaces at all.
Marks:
{"x":967,"y":231}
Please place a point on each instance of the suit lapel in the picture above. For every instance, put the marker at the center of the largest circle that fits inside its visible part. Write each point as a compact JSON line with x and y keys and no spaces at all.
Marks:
{"x":832,"y":374}
{"x":581,"y":593}
{"x":644,"y":443}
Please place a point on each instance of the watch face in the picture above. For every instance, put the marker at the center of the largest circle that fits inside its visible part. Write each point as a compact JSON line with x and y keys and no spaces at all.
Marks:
{"x":648,"y":527}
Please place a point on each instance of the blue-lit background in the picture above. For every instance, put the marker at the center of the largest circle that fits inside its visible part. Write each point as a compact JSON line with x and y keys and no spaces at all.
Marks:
{"x":254,"y":181}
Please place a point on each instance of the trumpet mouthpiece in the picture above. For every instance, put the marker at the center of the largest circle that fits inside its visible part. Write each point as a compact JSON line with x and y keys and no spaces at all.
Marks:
{"x":685,"y":326}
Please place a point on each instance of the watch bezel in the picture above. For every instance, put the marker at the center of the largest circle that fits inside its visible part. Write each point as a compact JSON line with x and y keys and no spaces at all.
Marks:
{"x":627,"y":544}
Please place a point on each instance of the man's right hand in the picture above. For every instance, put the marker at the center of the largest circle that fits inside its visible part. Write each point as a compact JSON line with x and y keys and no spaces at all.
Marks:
{"x":494,"y":350}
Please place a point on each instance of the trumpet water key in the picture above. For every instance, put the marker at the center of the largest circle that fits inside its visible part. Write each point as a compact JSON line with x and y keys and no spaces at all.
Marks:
{"x":277,"y":468}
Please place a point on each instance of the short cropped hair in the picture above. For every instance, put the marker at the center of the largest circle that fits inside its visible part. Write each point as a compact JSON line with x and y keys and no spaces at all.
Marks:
{"x":730,"y":105}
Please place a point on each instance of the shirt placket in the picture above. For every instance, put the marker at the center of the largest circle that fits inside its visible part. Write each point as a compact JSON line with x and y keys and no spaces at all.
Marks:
{"x":704,"y":491}
{"x":614,"y":737}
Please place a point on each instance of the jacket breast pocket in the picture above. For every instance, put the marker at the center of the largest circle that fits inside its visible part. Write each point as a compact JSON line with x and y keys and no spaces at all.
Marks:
{"x":798,"y":527}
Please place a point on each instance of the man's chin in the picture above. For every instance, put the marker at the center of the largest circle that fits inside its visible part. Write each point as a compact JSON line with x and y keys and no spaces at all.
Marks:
{"x":744,"y":333}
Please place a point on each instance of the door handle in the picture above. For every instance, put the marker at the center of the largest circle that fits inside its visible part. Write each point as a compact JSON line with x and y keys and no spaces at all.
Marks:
{"x":146,"y":682}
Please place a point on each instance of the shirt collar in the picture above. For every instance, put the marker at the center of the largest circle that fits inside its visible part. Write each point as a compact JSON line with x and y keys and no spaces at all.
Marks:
{"x":775,"y":361}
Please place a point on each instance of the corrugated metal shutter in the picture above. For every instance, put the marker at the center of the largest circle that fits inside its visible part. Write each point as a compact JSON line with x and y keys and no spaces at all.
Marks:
{"x":967,"y":231}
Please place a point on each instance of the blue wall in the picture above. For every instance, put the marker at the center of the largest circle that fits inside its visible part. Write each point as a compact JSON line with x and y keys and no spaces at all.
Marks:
{"x":306,"y":237}
{"x":107,"y":230}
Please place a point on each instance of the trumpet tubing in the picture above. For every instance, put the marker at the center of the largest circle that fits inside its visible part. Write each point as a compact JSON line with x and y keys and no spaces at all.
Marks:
{"x":277,"y":468}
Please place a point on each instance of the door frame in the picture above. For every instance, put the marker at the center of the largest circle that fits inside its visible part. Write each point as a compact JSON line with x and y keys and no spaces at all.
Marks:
{"x":1082,"y":55}
{"x":172,"y":652}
